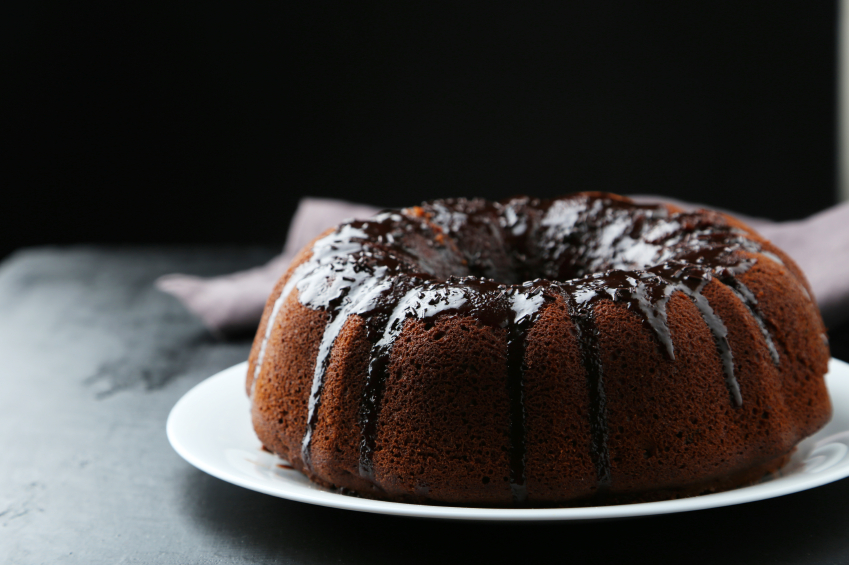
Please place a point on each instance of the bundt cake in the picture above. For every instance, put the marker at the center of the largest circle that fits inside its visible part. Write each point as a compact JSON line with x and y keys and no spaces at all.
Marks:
{"x":572,"y":351}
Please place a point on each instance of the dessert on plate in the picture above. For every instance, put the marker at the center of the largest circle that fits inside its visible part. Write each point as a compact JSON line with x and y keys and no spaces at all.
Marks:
{"x":572,"y":351}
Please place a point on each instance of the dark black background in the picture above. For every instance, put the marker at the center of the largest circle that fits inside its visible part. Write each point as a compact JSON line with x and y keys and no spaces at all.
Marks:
{"x":176,"y":122}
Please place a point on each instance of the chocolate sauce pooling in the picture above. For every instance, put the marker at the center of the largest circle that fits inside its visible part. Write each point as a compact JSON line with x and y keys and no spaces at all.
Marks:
{"x":500,"y":263}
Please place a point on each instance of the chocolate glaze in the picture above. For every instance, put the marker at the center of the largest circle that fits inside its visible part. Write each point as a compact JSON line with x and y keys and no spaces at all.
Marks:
{"x":513,"y":308}
{"x":469,"y":258}
{"x":748,"y":298}
{"x":525,"y":307}
{"x":581,"y":299}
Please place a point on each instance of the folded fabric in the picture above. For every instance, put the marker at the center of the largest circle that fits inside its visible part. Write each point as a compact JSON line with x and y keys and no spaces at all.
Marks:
{"x":234,"y":303}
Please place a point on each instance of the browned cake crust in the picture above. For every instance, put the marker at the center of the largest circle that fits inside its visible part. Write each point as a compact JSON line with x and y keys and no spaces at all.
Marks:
{"x":696,"y":366}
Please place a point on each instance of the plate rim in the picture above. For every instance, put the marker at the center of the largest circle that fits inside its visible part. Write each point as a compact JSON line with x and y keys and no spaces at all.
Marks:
{"x":326,"y":498}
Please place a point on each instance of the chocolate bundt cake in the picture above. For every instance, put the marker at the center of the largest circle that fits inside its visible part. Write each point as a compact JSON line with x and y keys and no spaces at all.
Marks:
{"x":579,"y":350}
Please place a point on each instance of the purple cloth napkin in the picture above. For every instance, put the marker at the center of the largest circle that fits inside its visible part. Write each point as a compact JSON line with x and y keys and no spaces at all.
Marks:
{"x":232,"y":303}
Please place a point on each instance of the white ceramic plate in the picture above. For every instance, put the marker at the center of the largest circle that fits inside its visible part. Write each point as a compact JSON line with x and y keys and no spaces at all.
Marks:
{"x":210,"y":428}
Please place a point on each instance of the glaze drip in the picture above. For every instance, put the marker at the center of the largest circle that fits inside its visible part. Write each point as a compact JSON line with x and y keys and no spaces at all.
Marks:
{"x":747,"y":297}
{"x":510,"y":308}
{"x":581,"y":301}
{"x":468,"y":258}
{"x":720,"y":336}
{"x":352,"y":272}
{"x":525,"y":308}
{"x":690,"y":276}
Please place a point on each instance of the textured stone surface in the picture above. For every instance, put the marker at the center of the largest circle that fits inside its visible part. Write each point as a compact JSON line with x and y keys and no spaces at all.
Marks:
{"x":92,"y":359}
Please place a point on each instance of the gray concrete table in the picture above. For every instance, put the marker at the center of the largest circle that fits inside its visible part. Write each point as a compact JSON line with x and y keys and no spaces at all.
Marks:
{"x":92,"y":359}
